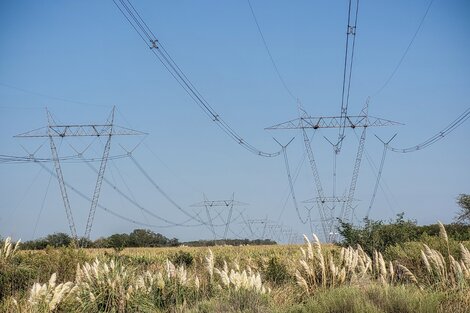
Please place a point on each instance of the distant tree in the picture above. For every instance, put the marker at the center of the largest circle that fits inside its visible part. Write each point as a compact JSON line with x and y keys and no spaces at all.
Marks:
{"x":463,"y":200}
{"x":118,"y":241}
{"x":58,"y":240}
{"x":85,"y":243}
{"x":147,"y":238}
{"x":377,"y":235}
{"x":101,"y":242}
{"x":173,"y":242}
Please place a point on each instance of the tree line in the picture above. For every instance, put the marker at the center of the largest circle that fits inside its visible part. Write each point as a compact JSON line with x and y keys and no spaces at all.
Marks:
{"x":137,"y":238}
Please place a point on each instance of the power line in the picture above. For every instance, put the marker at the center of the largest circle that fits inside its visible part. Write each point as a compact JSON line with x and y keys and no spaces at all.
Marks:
{"x":296,"y":175}
{"x":154,"y":154}
{"x":347,"y":70}
{"x":289,"y":178}
{"x":136,"y":204}
{"x":381,"y":181}
{"x":157,"y":48}
{"x":7,"y":159}
{"x":462,"y":118}
{"x":42,"y":206}
{"x":283,"y":81}
{"x":163,"y":193}
{"x":407,"y":49}
{"x":379,"y":174}
{"x":112,"y":212}
{"x":38,"y":94}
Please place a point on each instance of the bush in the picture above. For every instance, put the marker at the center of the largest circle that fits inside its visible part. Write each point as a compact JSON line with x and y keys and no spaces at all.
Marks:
{"x":62,"y":261}
{"x":276,"y":272}
{"x":182,"y":258}
{"x":15,"y":278}
{"x":377,"y":299}
{"x":378,"y":235}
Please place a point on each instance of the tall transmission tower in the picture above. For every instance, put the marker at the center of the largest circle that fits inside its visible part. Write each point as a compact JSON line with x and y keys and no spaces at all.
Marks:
{"x":327,"y":204}
{"x":54,"y":130}
{"x":210,"y":205}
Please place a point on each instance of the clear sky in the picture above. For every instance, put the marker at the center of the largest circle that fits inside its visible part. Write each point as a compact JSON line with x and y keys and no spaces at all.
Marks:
{"x":85,"y":51}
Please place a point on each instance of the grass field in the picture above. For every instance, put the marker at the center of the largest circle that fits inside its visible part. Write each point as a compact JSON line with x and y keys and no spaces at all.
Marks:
{"x":295,"y":278}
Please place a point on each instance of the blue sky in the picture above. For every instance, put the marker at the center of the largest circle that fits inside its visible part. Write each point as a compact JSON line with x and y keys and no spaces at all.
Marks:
{"x":85,"y":51}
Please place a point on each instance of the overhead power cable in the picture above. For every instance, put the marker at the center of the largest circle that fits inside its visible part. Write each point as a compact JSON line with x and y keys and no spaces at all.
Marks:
{"x":135,"y":203}
{"x":118,"y":215}
{"x":163,"y":193}
{"x":66,"y":159}
{"x":42,"y":207}
{"x":276,"y":69}
{"x":296,"y":175}
{"x":50,"y":96}
{"x":289,"y":178}
{"x":462,"y":118}
{"x":348,"y":67}
{"x":406,"y":50}
{"x":157,"y":48}
{"x":381,"y":181}
{"x":379,"y":174}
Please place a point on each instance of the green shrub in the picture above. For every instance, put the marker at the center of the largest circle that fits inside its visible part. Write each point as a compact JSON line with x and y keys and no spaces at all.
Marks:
{"x":15,"y":278}
{"x":62,"y":261}
{"x":182,"y":258}
{"x":276,"y":272}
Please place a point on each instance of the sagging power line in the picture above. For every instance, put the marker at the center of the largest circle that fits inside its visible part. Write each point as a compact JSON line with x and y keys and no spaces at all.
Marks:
{"x":462,"y":118}
{"x":158,"y":49}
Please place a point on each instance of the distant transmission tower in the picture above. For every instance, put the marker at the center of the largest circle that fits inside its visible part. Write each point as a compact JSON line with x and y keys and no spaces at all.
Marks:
{"x":209,"y":205}
{"x":54,"y":130}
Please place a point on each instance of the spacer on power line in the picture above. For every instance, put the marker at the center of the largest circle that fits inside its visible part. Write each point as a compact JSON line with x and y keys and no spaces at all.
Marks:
{"x":154,"y":44}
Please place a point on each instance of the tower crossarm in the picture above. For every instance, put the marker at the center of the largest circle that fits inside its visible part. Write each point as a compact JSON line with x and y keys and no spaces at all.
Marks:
{"x":351,"y":121}
{"x":329,"y":199}
{"x":258,"y":221}
{"x":90,"y":130}
{"x":218,"y":203}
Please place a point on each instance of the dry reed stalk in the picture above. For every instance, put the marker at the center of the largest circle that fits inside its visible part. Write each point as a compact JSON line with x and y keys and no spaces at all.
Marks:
{"x":8,"y":250}
{"x":408,"y":274}
{"x":465,"y":255}
{"x":443,"y":232}
{"x":210,"y":263}
{"x":391,"y":270}
{"x":376,"y":262}
{"x":309,"y":248}
{"x":426,"y":262}
{"x":301,"y":281}
{"x":383,"y":267}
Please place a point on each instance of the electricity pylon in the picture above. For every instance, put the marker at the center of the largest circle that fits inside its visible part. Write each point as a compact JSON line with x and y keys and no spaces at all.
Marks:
{"x":54,"y":130}
{"x":327,"y":212}
{"x":211,"y":204}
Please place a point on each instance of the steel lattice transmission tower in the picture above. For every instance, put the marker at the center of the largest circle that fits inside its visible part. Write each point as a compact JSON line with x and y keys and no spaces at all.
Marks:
{"x":212,"y":204}
{"x":54,"y":130}
{"x":327,"y":204}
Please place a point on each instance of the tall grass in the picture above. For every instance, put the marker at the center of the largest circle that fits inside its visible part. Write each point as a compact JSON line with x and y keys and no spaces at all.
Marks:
{"x":308,"y":278}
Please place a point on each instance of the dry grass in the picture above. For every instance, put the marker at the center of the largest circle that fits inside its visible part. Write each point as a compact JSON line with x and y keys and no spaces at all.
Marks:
{"x":234,"y":279}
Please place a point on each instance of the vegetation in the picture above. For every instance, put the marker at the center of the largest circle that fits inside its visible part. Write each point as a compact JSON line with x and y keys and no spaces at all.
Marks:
{"x":433,"y":276}
{"x":463,"y":200}
{"x":137,"y":238}
{"x":379,"y":235}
